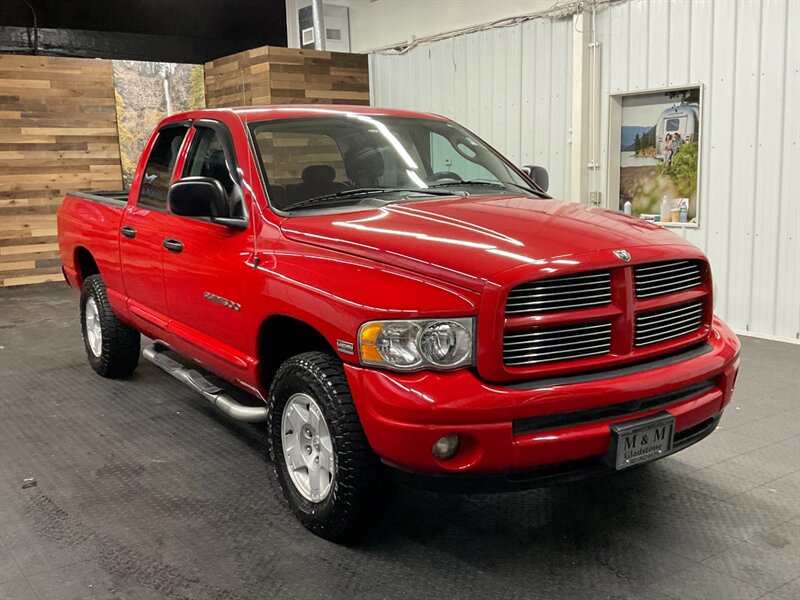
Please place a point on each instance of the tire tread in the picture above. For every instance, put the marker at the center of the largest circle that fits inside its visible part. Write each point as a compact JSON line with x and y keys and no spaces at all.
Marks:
{"x":359,"y":474}
{"x":121,"y":344}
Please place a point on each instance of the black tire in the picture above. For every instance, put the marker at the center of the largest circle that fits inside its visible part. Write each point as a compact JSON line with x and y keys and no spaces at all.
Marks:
{"x":119,"y":355}
{"x":358,"y":481}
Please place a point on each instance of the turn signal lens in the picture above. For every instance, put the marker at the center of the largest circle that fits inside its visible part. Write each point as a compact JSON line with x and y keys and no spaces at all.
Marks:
{"x":369,"y":334}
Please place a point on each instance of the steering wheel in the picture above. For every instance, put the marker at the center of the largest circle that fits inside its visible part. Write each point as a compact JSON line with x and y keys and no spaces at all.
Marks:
{"x":445,"y":175}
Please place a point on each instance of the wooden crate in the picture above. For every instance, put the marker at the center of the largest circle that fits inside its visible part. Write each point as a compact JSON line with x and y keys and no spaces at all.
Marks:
{"x":58,"y":133}
{"x":270,"y":75}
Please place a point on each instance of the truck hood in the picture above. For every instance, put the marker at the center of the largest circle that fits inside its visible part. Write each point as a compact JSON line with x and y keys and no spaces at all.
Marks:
{"x":467,"y":241}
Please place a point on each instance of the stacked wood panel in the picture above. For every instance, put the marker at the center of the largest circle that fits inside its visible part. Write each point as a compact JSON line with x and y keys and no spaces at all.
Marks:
{"x":270,"y":75}
{"x":58,"y":133}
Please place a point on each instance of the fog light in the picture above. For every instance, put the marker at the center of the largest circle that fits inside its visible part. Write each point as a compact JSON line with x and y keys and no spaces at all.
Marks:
{"x":446,"y":446}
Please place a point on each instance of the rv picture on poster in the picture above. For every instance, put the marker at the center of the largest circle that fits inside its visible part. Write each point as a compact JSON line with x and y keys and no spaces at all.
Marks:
{"x":659,"y":155}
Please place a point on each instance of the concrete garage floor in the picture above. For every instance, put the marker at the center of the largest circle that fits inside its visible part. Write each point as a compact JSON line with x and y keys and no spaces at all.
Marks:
{"x":144,"y":492}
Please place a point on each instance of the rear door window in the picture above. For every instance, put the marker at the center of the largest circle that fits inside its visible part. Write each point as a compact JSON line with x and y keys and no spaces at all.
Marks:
{"x":159,"y":167}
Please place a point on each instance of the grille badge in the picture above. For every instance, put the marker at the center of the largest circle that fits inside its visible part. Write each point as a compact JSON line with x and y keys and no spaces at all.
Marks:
{"x":623,"y":255}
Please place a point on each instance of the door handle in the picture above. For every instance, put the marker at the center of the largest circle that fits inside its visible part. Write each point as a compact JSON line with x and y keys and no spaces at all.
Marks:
{"x":128,"y":231}
{"x":172,"y":245}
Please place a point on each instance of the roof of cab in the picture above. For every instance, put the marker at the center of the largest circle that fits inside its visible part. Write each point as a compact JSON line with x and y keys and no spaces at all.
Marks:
{"x":285,"y":111}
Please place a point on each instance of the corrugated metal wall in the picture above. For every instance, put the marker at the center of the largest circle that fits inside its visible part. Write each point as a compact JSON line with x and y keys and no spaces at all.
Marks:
{"x":510,"y":86}
{"x":746,"y":55}
{"x":513,"y":88}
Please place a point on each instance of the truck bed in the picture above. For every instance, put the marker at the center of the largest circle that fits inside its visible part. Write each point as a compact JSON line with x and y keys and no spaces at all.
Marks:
{"x":113,"y":197}
{"x":88,"y":225}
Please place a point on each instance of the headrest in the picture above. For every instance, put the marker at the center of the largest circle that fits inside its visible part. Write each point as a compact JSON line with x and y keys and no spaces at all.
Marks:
{"x":363,"y":162}
{"x":318,"y":174}
{"x":217,"y":168}
{"x":216,"y":159}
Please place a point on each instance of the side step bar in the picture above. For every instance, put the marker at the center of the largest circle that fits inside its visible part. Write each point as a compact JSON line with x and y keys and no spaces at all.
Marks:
{"x":195,"y":380}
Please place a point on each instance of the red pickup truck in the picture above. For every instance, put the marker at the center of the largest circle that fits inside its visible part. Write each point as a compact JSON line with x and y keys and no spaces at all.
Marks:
{"x":383,"y":289}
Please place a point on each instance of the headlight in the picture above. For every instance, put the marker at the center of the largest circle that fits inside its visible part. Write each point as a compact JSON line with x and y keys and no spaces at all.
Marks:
{"x":417,"y":344}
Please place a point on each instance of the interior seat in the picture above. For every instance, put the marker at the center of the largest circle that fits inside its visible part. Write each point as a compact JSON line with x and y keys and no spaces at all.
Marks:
{"x":364,"y":165}
{"x":216,"y":168}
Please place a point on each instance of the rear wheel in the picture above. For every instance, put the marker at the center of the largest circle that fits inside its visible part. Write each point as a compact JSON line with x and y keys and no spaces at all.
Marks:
{"x":327,"y":471}
{"x":111,"y":346}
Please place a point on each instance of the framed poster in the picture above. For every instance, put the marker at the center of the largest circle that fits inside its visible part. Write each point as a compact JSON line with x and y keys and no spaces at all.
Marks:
{"x":146,"y":92}
{"x":654,"y":154}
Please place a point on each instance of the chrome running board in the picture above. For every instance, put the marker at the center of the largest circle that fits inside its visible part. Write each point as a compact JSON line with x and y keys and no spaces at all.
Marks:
{"x":195,"y":380}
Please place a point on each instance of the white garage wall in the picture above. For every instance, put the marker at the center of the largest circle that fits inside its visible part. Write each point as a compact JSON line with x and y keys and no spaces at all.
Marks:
{"x":747,"y":56}
{"x":513,"y":88}
{"x":510,"y":86}
{"x":379,"y":23}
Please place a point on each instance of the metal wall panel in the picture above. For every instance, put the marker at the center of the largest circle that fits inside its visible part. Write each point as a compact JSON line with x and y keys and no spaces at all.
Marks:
{"x":747,"y":57}
{"x":511,"y":86}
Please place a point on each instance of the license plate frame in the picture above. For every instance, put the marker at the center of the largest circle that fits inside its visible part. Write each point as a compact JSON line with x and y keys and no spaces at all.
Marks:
{"x":641,"y":440}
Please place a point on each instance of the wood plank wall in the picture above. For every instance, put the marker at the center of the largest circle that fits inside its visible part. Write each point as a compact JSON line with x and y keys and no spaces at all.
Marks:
{"x":58,"y":133}
{"x":270,"y":75}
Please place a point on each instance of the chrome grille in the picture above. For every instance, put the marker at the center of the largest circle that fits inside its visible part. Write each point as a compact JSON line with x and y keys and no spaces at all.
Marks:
{"x":657,"y":279}
{"x":534,"y":346}
{"x":667,"y":323}
{"x":560,"y":293}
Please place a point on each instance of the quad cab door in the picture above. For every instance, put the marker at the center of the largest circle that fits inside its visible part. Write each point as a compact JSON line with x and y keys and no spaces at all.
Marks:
{"x":140,"y":240}
{"x":207,"y":265}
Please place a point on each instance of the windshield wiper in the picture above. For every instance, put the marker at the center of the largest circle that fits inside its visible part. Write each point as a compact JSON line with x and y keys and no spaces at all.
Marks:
{"x":498,"y":184}
{"x":358,"y":192}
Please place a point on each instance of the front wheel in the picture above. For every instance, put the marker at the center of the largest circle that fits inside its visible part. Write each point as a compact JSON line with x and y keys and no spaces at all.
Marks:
{"x":111,"y":346}
{"x":325,"y":466}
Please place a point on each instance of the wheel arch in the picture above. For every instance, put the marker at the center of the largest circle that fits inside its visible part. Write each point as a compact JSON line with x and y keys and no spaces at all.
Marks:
{"x":282,"y":336}
{"x":85,"y":264}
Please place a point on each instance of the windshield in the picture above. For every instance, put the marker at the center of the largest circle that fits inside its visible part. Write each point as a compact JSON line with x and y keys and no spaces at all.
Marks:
{"x":349,"y":159}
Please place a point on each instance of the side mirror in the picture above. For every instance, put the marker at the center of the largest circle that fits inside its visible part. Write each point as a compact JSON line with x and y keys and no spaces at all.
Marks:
{"x":538,"y":175}
{"x":202,"y":197}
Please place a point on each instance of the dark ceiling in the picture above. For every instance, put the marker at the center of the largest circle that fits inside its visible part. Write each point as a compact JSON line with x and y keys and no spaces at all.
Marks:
{"x":168,"y":30}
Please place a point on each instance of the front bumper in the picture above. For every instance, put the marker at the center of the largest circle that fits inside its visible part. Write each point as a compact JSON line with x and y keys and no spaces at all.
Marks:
{"x":541,"y":476}
{"x":523,"y":429}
